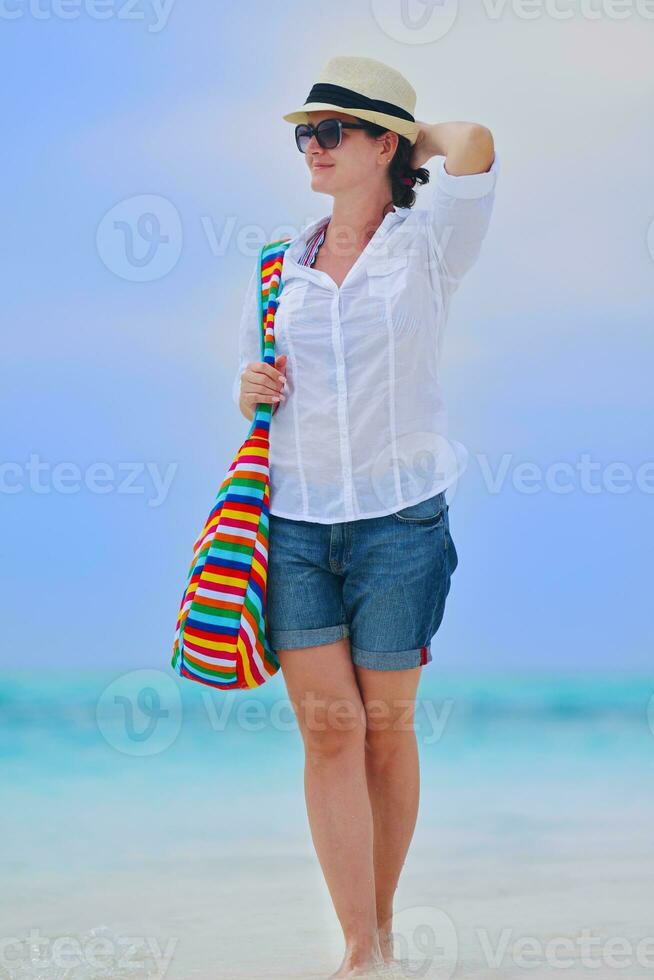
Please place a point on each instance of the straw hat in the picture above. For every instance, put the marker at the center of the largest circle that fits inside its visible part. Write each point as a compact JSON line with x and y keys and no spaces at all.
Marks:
{"x":365,"y":88}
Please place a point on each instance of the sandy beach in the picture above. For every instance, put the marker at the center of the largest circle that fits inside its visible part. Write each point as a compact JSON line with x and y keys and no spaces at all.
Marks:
{"x":532,"y":855}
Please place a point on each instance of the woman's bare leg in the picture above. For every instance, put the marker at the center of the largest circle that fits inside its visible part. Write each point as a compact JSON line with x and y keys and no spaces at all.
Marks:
{"x":323,"y":689}
{"x":393,"y":776}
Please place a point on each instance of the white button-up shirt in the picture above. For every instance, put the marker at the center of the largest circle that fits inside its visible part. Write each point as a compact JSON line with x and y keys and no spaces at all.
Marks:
{"x":363,"y":430}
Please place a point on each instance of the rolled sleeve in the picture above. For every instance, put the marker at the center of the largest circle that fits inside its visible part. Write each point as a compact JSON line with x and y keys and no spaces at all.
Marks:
{"x":249,"y":338}
{"x":460,"y":213}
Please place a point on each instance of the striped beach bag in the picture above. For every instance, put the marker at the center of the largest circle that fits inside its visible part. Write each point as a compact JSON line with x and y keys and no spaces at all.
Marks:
{"x":220,"y":638}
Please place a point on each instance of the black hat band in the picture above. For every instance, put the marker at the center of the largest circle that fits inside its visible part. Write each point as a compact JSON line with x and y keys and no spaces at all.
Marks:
{"x":349,"y":99}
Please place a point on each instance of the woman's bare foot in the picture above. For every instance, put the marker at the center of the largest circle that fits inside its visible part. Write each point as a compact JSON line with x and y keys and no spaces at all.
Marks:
{"x":386,"y":944}
{"x":359,"y":963}
{"x":385,"y":939}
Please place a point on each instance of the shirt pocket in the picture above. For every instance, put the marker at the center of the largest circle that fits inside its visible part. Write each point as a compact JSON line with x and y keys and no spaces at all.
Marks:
{"x":292,"y":292}
{"x":387,"y":276}
{"x":290,"y":307}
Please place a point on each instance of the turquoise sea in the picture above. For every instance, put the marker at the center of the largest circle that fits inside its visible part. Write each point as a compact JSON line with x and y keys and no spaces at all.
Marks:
{"x":155,"y":827}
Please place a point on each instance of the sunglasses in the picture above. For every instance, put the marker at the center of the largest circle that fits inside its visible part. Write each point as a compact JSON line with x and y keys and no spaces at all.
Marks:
{"x":328,"y":132}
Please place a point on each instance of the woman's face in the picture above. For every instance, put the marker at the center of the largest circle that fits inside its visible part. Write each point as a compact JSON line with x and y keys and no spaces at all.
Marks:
{"x":357,"y":160}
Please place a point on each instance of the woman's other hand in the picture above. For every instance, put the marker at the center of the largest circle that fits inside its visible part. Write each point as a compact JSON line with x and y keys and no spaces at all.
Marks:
{"x":261,"y":382}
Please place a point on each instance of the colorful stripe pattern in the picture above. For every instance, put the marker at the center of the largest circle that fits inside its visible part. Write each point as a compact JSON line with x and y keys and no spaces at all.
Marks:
{"x":221,"y":626}
{"x":308,"y":256}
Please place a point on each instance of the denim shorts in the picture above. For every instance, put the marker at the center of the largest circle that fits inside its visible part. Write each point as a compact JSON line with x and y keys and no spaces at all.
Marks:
{"x":381,"y":581}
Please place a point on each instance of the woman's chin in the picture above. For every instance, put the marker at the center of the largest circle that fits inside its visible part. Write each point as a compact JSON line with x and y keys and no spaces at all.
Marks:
{"x":320,"y":176}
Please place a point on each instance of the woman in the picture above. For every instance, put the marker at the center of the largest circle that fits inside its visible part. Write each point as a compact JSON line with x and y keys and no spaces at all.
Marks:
{"x":360,"y":547}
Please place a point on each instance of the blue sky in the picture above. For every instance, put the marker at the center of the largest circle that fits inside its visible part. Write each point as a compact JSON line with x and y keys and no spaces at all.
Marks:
{"x":116,"y":371}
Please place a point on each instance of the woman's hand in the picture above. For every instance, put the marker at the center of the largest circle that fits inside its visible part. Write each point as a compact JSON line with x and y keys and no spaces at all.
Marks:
{"x":467,"y":147}
{"x":261,"y":382}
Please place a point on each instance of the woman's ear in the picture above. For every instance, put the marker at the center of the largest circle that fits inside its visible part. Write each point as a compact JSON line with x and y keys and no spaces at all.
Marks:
{"x":389,"y":142}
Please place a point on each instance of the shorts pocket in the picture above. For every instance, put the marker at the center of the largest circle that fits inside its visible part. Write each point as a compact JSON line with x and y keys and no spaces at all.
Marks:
{"x":430,"y":511}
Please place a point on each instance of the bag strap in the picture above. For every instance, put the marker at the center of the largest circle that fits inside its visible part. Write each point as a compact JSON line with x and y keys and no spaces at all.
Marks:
{"x":271,"y":259}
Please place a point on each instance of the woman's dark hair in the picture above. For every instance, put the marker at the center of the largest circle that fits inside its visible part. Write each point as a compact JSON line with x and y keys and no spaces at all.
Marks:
{"x":403,"y":194}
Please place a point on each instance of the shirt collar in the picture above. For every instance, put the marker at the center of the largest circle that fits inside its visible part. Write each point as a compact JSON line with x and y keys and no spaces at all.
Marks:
{"x":298,"y":245}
